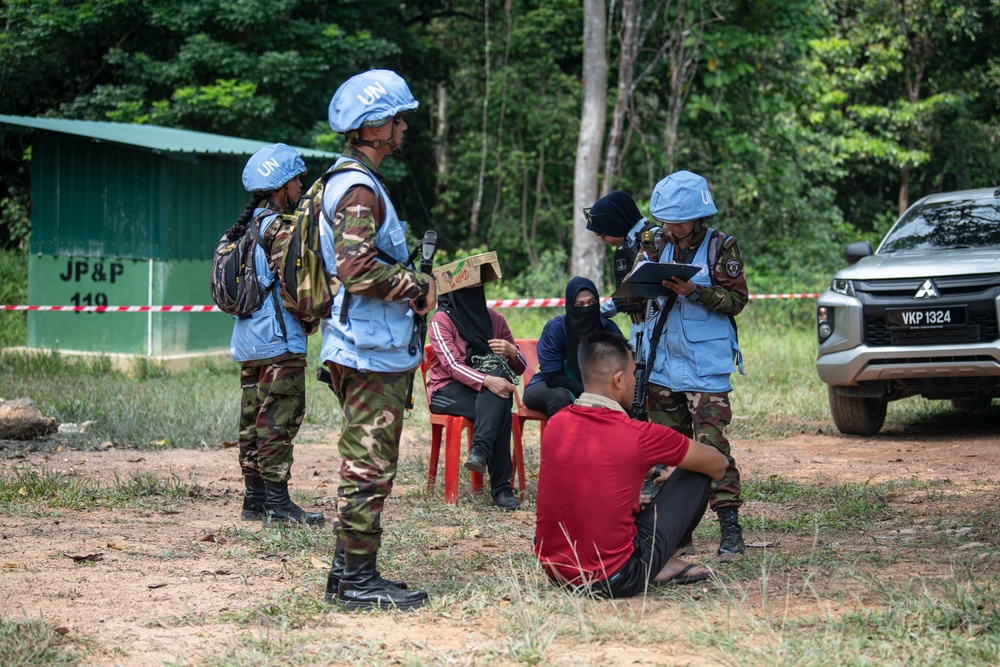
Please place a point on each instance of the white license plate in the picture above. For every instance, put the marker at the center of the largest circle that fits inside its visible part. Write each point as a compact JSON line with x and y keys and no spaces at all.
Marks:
{"x":923,"y":318}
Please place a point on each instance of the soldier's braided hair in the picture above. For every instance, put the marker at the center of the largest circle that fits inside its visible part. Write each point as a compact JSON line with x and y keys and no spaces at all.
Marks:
{"x":240,"y":226}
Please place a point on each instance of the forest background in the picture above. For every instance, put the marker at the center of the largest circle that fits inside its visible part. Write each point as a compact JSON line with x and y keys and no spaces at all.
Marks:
{"x":815,"y":121}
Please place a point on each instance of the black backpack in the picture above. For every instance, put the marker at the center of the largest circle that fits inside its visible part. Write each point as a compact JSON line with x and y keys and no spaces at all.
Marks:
{"x":234,"y":284}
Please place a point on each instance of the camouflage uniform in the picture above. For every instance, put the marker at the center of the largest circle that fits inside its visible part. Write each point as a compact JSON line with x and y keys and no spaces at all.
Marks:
{"x":705,"y":416}
{"x":272,"y":405}
{"x":702,"y":417}
{"x":369,"y":447}
{"x":372,"y":402}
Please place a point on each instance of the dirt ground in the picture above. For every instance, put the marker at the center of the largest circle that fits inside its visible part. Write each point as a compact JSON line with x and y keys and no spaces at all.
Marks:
{"x":118,"y":604}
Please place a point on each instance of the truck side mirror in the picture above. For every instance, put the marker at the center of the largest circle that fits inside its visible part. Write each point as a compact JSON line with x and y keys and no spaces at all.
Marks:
{"x":856,"y":251}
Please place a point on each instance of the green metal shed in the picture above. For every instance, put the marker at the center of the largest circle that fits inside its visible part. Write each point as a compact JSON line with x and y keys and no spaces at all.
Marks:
{"x":129,"y":215}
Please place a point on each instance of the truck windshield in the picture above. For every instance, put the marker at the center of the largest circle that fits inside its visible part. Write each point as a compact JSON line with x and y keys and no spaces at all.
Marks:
{"x":960,"y":223}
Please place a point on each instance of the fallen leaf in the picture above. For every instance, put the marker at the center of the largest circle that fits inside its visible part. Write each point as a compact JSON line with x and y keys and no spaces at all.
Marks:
{"x":318,"y":564}
{"x":212,"y":537}
{"x":759,"y":545}
{"x":135,"y":460}
{"x":112,"y":545}
{"x":155,"y":585}
{"x":93,"y":558}
{"x":107,"y":444}
{"x":22,"y":491}
{"x":217,"y":571}
{"x":61,"y":630}
{"x":160,"y":442}
{"x":11,"y":566}
{"x":226,"y":445}
{"x":169,"y":512}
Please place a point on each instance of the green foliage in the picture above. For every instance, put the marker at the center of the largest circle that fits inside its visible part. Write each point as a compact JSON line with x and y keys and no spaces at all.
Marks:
{"x":13,"y":291}
{"x":807,"y":118}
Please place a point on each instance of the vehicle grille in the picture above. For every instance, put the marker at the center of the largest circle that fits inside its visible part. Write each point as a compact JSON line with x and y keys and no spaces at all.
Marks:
{"x":982,"y":328}
{"x":948,"y":286}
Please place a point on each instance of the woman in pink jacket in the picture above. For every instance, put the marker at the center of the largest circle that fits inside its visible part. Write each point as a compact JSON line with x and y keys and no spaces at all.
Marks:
{"x":475,"y":366}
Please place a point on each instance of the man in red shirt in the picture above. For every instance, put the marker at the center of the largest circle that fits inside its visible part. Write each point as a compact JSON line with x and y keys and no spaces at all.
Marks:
{"x":589,"y":530}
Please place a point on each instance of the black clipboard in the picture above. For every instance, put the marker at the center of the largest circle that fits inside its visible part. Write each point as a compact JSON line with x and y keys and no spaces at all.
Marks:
{"x":645,"y":280}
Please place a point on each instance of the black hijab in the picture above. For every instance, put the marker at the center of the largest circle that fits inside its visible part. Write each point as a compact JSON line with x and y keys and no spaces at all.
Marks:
{"x":614,"y":214}
{"x":467,"y":309}
{"x":580,"y":321}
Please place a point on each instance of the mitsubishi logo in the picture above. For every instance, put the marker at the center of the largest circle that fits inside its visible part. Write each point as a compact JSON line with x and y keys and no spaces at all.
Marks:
{"x":927,"y":291}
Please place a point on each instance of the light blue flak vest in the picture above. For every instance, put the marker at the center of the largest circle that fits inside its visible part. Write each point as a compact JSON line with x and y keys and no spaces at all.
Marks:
{"x":259,"y":336}
{"x":698,"y":346}
{"x":377,"y":333}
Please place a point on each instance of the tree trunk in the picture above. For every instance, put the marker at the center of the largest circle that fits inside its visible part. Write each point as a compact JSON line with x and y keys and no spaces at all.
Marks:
{"x":441,"y":147}
{"x":628,"y":50}
{"x":686,"y":34}
{"x":588,"y":252}
{"x":919,"y":49}
{"x":477,"y":202}
{"x":904,"y":189}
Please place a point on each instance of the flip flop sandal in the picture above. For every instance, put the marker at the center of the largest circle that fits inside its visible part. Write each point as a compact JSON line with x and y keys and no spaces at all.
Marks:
{"x":683,"y":578}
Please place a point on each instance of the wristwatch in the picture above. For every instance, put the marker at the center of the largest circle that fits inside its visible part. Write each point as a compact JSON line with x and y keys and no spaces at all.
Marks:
{"x":696,"y":294}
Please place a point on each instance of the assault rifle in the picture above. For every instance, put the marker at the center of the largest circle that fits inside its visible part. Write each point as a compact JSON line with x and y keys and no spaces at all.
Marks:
{"x":644,"y":367}
{"x":427,"y":247}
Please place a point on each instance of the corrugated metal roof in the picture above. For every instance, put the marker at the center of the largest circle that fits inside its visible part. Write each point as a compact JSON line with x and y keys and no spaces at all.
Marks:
{"x":153,"y":137}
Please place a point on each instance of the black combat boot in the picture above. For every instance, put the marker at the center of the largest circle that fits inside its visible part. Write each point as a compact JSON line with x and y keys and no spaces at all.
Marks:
{"x":253,"y":499}
{"x":279,"y":507}
{"x":337,"y":572}
{"x":731,"y":545}
{"x":361,"y":587}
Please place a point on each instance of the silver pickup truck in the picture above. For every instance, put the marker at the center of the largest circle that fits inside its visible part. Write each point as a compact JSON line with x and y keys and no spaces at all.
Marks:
{"x":917,"y":316}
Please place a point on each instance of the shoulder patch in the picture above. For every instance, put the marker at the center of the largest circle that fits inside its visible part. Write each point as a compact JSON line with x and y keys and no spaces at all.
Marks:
{"x":733,"y":267}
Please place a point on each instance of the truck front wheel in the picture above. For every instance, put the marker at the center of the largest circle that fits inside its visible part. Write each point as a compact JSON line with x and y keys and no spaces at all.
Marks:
{"x":856,"y":415}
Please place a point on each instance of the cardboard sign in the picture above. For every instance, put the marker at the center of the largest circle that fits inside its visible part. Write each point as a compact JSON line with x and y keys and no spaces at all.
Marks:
{"x":467,"y":272}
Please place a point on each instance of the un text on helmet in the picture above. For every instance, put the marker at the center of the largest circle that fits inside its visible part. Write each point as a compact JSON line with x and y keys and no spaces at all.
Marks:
{"x":374,"y":92}
{"x":268,"y":166}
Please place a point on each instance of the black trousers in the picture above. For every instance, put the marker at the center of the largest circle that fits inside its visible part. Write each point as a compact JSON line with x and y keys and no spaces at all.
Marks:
{"x":491,"y":418}
{"x":540,"y":397}
{"x":661,"y":527}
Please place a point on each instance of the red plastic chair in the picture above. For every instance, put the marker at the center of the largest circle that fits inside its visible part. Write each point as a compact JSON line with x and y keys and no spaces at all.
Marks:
{"x":529,"y":351}
{"x":453,"y":427}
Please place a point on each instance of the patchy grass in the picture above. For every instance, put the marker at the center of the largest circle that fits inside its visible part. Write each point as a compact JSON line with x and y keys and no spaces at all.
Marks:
{"x":34,"y":643}
{"x":31,"y":492}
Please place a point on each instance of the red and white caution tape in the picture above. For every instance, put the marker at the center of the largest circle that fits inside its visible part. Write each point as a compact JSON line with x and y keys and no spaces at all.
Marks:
{"x":118,"y":309}
{"x":500,"y":303}
{"x":795,"y":295}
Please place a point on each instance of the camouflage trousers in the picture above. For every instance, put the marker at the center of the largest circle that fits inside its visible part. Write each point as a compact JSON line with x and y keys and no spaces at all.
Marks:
{"x":372,"y":404}
{"x":272,"y":405}
{"x":701,"y":416}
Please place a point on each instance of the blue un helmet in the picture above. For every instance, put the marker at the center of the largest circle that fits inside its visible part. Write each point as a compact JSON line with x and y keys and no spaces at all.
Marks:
{"x":680,"y":197}
{"x":271,"y":167}
{"x":369,"y":99}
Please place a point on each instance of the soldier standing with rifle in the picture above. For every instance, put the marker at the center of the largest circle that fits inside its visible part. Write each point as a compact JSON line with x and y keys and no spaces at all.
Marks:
{"x":689,"y":368}
{"x":369,"y":347}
